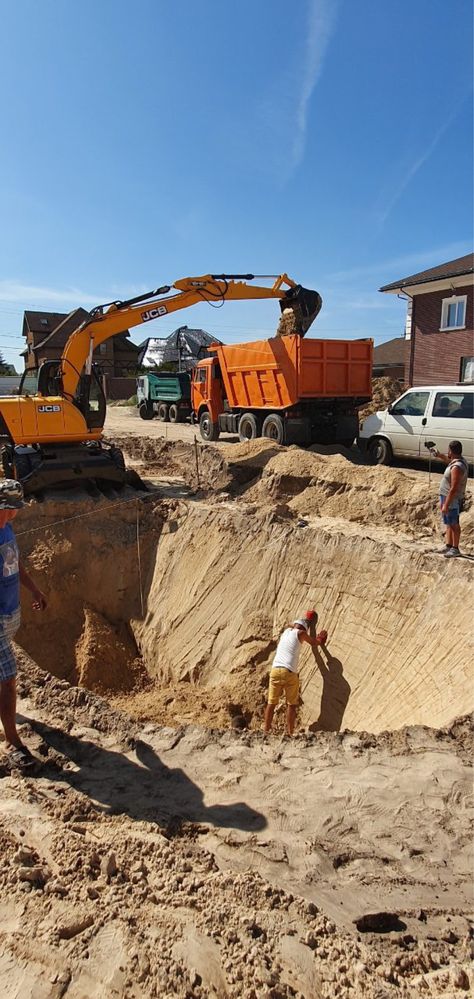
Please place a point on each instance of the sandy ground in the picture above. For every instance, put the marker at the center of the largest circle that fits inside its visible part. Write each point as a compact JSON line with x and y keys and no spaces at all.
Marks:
{"x":163,"y":847}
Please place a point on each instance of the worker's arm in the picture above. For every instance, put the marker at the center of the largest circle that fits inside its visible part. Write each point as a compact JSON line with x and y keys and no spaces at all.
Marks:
{"x":39,"y":601}
{"x":456,"y":477}
{"x":438,"y":454}
{"x":314,"y":642}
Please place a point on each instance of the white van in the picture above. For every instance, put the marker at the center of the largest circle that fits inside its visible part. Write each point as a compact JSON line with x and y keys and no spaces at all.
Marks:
{"x":440,"y":414}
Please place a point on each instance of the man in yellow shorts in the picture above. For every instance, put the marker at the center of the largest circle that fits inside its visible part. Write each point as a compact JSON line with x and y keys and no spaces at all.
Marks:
{"x":284,"y":672}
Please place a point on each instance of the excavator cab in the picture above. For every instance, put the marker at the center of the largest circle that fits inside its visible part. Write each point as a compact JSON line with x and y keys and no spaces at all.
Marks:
{"x":89,"y":397}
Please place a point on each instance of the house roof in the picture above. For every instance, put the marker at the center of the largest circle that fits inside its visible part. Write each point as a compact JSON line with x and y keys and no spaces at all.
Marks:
{"x":42,"y":322}
{"x":185,"y":344}
{"x":453,"y":268}
{"x":391,"y":352}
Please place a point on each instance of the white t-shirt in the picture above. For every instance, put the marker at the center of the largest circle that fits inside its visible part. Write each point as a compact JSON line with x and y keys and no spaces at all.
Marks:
{"x":288,"y":651}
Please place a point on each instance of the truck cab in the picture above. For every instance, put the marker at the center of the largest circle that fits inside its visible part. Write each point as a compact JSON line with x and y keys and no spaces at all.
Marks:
{"x":207,"y":396}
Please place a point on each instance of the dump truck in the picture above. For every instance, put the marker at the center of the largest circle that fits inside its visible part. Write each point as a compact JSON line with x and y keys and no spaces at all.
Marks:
{"x":289,"y":389}
{"x":164,"y":394}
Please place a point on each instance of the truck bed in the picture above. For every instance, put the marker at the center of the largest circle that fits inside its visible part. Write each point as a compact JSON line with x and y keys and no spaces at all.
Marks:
{"x":279,"y":372}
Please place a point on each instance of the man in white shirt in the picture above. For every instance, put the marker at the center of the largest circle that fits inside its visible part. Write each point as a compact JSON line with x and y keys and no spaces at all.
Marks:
{"x":284,"y":672}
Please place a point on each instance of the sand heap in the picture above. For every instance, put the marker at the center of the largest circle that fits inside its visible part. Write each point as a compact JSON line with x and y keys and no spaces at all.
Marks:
{"x":384,"y":391}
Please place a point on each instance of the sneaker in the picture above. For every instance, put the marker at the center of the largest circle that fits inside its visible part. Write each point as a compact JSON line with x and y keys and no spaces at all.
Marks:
{"x":442,"y":551}
{"x":452,"y":553}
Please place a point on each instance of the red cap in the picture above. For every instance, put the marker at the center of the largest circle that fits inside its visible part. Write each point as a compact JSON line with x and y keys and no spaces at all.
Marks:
{"x":310,"y":614}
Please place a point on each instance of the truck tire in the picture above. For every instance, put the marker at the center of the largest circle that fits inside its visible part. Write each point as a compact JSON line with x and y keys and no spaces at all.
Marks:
{"x":274,"y":428}
{"x":145,"y":410}
{"x":174,"y":413}
{"x":209,"y":431}
{"x":248,"y":427}
{"x":380,"y":451}
{"x":163,"y":412}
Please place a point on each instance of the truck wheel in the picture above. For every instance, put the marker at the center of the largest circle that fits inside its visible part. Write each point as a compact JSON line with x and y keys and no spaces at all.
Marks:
{"x":274,"y":428}
{"x":173,"y":413}
{"x":163,"y":412}
{"x":209,"y":430}
{"x":380,"y":451}
{"x":146,"y":411}
{"x":248,"y":427}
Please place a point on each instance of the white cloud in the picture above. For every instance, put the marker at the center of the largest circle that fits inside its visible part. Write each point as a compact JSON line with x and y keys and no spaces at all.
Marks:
{"x":321,"y":24}
{"x":32,"y":296}
{"x":390,"y":199}
{"x":405,"y":264}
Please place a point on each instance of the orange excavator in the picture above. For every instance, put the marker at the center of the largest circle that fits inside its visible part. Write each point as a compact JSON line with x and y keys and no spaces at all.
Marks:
{"x":56,"y":434}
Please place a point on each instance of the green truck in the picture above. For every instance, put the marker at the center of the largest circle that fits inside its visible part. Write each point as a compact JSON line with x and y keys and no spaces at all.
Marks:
{"x":166,"y":395}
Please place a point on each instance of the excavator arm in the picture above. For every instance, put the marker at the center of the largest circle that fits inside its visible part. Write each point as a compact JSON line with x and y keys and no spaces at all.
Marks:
{"x":108,"y":320}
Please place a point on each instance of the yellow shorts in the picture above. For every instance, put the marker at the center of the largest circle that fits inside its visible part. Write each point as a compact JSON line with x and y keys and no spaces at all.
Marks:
{"x":283,"y":680}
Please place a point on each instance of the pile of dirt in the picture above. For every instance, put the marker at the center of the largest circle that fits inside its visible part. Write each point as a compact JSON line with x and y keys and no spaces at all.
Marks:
{"x":107,"y":659}
{"x":384,"y":391}
{"x":118,"y":880}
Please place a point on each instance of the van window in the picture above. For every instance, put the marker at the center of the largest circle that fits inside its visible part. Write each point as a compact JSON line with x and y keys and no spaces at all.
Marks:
{"x":456,"y":405}
{"x":411,"y":404}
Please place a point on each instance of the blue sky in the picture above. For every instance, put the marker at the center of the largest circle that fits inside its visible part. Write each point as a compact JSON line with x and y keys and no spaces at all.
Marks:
{"x":147,"y":141}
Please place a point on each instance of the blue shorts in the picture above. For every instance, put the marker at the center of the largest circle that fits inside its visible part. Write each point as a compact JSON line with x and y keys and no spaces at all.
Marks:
{"x":451,"y":517}
{"x":9,"y":624}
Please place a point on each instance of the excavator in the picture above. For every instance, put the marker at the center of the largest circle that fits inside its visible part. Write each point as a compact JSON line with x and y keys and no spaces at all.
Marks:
{"x":55,"y":435}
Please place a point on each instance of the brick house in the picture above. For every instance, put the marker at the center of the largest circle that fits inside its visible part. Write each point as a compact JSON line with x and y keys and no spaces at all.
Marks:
{"x":389,"y":359}
{"x":439,"y":331}
{"x":46,"y":334}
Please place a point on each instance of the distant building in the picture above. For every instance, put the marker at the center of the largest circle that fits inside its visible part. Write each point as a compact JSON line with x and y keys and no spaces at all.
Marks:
{"x":389,"y":359}
{"x":185,"y":347}
{"x":46,"y":335}
{"x":439,"y":332}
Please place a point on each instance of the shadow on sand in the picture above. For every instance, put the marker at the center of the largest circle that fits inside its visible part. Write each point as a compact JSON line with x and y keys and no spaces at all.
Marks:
{"x":335,"y":694}
{"x":145,"y":790}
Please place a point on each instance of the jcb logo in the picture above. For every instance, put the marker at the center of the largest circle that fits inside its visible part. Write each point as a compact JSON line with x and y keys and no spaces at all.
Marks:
{"x":49,"y":409}
{"x":160,"y":310}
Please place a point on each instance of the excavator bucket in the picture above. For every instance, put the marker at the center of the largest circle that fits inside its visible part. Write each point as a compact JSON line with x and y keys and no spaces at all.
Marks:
{"x":299,"y":307}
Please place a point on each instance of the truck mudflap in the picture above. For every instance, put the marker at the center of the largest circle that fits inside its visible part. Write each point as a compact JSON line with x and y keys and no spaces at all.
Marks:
{"x":46,"y":467}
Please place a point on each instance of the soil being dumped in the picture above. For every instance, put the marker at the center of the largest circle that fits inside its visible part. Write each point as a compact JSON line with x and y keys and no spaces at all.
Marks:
{"x":164,"y":847}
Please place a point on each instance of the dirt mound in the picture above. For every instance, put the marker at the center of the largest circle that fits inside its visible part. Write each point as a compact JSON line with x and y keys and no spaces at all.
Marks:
{"x":384,"y":391}
{"x":107,"y":658}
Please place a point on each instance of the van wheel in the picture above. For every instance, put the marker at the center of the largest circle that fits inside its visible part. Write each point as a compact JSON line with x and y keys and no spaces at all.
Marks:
{"x":274,"y":428}
{"x":248,"y":427}
{"x":163,"y":412}
{"x":209,"y":430}
{"x":173,"y":413}
{"x":380,"y":451}
{"x":146,"y":411}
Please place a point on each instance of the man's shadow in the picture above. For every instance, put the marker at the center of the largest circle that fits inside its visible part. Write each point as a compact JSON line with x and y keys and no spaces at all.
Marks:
{"x":335,"y":694}
{"x":151,"y":792}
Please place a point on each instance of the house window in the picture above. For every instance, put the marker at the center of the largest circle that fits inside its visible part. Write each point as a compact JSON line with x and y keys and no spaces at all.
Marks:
{"x":467,"y":369}
{"x":453,"y":313}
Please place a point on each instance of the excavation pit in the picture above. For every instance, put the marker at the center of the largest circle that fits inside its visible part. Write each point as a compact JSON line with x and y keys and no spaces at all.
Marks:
{"x":174,"y":606}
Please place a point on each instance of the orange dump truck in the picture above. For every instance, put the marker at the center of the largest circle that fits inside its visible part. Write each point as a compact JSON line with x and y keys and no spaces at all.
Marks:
{"x":289,"y":389}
